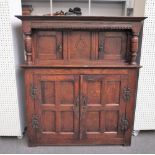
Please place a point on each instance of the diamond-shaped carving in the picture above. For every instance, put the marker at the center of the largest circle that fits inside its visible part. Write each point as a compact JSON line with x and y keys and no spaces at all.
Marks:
{"x":80,"y":44}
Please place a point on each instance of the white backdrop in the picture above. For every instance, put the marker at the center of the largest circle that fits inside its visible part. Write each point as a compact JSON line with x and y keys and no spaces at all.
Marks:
{"x":11,"y":76}
{"x":11,"y":55}
{"x":145,"y":110}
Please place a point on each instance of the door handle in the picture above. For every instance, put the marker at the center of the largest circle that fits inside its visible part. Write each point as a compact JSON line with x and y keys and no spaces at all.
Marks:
{"x":83,"y":106}
{"x":84,"y":103}
{"x":101,"y":47}
{"x":82,"y":117}
{"x":59,"y":48}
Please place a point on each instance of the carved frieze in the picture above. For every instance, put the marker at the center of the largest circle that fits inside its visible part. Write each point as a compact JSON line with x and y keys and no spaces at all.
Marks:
{"x":81,"y":25}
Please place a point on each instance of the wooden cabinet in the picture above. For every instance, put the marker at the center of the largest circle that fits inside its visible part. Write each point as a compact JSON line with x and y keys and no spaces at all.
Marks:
{"x":80,"y":79}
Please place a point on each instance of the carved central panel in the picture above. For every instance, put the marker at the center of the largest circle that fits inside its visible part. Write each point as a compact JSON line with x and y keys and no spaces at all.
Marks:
{"x":80,"y":45}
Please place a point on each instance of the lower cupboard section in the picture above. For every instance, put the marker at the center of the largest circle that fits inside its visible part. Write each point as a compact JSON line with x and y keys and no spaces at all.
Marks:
{"x":79,"y":108}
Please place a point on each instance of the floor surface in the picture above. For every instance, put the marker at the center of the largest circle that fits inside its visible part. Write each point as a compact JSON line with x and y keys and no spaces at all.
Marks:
{"x":143,"y":143}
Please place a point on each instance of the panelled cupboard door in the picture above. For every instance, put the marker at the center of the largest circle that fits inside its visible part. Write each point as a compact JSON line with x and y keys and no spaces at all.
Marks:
{"x":57,"y":107}
{"x":48,"y":46}
{"x":102,"y":107}
{"x":113,"y":45}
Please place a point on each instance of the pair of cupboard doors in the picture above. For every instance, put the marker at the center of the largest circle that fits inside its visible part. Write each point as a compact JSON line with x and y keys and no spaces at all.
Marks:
{"x":77,"y":108}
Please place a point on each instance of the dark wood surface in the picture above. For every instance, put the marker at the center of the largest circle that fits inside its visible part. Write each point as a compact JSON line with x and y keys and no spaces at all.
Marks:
{"x":80,"y":79}
{"x":83,"y":18}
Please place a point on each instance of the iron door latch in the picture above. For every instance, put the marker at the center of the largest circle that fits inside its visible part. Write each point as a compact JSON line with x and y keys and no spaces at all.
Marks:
{"x":126,"y":94}
{"x":124,"y":124}
{"x":35,"y":121}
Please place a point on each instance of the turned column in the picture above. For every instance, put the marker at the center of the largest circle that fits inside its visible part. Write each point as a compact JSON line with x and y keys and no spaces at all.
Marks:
{"x":28,"y":47}
{"x":134,"y":48}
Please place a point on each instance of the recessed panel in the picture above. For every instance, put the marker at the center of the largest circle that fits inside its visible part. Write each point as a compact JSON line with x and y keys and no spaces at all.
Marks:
{"x":112,"y":92}
{"x":111,"y":120}
{"x":113,"y":45}
{"x":66,"y":92}
{"x":93,"y":119}
{"x":48,"y":121}
{"x":67,"y":121}
{"x":94,"y":92}
{"x":80,"y":45}
{"x":47,"y":92}
{"x":48,"y":45}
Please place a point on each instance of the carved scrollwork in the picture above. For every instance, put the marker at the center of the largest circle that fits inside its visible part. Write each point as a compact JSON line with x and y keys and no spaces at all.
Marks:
{"x":124,"y":124}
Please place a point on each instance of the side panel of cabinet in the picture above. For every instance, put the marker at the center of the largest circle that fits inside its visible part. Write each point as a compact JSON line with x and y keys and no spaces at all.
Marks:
{"x":48,"y":45}
{"x":30,"y":108}
{"x":131,"y":104}
{"x":57,"y":107}
{"x":103,"y":106}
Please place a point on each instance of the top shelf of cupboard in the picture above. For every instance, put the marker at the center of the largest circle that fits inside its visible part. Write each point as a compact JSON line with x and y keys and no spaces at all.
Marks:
{"x":83,"y":18}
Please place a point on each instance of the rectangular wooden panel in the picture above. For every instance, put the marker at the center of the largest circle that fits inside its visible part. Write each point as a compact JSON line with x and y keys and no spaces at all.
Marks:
{"x":112,"y":119}
{"x":111,"y":91}
{"x":94,"y":92}
{"x":79,"y":45}
{"x":48,"y":46}
{"x":47,"y":92}
{"x":94,"y":124}
{"x":112,"y":45}
{"x":48,"y":121}
{"x":67,"y":121}
{"x":67,"y":92}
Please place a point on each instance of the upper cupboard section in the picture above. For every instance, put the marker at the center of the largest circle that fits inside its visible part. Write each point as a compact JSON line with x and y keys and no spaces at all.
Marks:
{"x":57,"y":47}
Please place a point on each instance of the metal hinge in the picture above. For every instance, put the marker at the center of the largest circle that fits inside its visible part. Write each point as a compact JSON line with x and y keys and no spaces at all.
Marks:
{"x":35,"y":121}
{"x":126,"y":94}
{"x":33,"y":91}
{"x":124,"y":124}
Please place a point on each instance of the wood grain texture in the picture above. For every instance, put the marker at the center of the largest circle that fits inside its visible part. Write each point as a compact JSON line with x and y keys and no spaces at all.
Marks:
{"x":78,"y":73}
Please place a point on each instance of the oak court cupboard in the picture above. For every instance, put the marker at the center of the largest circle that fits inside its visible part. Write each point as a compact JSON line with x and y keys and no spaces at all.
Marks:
{"x":80,"y":79}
